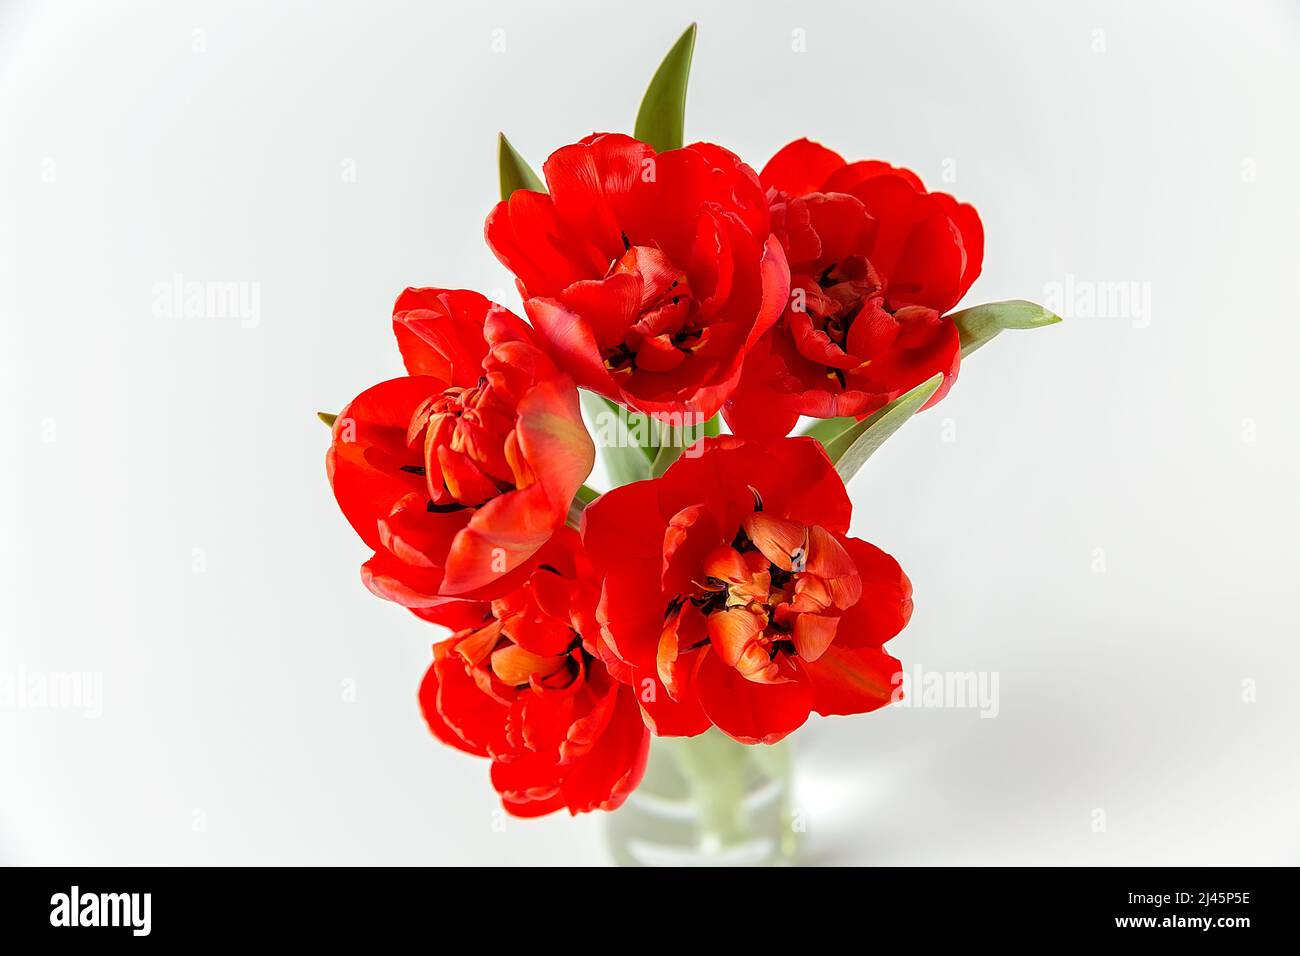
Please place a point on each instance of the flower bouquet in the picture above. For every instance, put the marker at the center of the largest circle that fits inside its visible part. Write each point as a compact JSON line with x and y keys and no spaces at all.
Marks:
{"x":711,"y":594}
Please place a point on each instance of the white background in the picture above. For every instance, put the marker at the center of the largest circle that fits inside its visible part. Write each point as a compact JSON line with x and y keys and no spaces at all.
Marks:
{"x":1113,"y":142}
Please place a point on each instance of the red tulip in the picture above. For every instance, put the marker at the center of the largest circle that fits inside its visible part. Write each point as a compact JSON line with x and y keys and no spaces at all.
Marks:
{"x":733,"y":596}
{"x":517,"y":684}
{"x":875,"y":262}
{"x":456,"y":474}
{"x":649,"y":275}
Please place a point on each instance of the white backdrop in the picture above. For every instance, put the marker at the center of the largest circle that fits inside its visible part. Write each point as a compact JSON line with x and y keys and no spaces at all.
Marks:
{"x":1102,"y":513}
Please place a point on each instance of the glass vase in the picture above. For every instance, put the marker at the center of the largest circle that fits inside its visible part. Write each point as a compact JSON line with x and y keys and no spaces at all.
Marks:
{"x":708,"y":801}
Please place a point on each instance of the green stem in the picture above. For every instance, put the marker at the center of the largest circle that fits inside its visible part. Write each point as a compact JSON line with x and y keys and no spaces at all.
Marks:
{"x":713,"y":766}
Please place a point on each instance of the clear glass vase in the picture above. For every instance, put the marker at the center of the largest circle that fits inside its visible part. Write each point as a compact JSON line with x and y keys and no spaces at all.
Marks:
{"x":708,"y":801}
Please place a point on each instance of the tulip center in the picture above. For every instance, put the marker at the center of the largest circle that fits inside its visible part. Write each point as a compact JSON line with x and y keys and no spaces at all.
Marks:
{"x":839,"y":319}
{"x":518,"y":647}
{"x":773,"y":594}
{"x":666,"y":328}
{"x":464,"y":431}
{"x":459,"y":401}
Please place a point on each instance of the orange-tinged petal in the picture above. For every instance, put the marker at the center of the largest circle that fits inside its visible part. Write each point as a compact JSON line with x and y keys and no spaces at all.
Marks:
{"x":758,"y":665}
{"x":727,"y":564}
{"x":828,"y":560}
{"x":813,"y":633}
{"x":666,"y":658}
{"x":732,"y":631}
{"x":515,"y":666}
{"x":479,"y":644}
{"x":776,"y":538}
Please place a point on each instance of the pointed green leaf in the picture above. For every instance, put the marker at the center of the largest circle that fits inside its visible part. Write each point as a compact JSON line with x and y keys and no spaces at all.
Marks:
{"x":979,"y":324}
{"x":624,"y":458}
{"x":851,"y":449}
{"x":661,"y":121}
{"x":514,"y":171}
{"x":327,"y":418}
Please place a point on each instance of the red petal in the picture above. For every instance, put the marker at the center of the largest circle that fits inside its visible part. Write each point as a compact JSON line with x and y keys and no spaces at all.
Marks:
{"x":440,"y":332}
{"x":591,"y":185}
{"x":438,"y":726}
{"x":613,"y":763}
{"x":529,"y":785}
{"x":508,"y":530}
{"x":792,"y":475}
{"x":851,"y":680}
{"x":749,"y":712}
{"x":842,"y":225}
{"x":801,"y":167}
{"x":369,"y":450}
{"x":472,"y":715}
{"x":572,"y":344}
{"x":530,"y":239}
{"x":885,"y":605}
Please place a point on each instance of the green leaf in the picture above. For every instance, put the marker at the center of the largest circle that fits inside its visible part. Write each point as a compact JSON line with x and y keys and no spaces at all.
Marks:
{"x":664,"y":458}
{"x":982,"y":322}
{"x":827,"y":428}
{"x":642,"y":430}
{"x":514,"y":170}
{"x":851,"y":449}
{"x":327,"y":418}
{"x":626,"y":460}
{"x":661,"y":121}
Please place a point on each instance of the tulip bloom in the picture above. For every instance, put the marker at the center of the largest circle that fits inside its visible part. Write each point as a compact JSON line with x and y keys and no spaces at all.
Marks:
{"x":517,"y":684}
{"x":650,"y":276}
{"x":733,"y":596}
{"x":875,"y":262}
{"x":458,"y":473}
